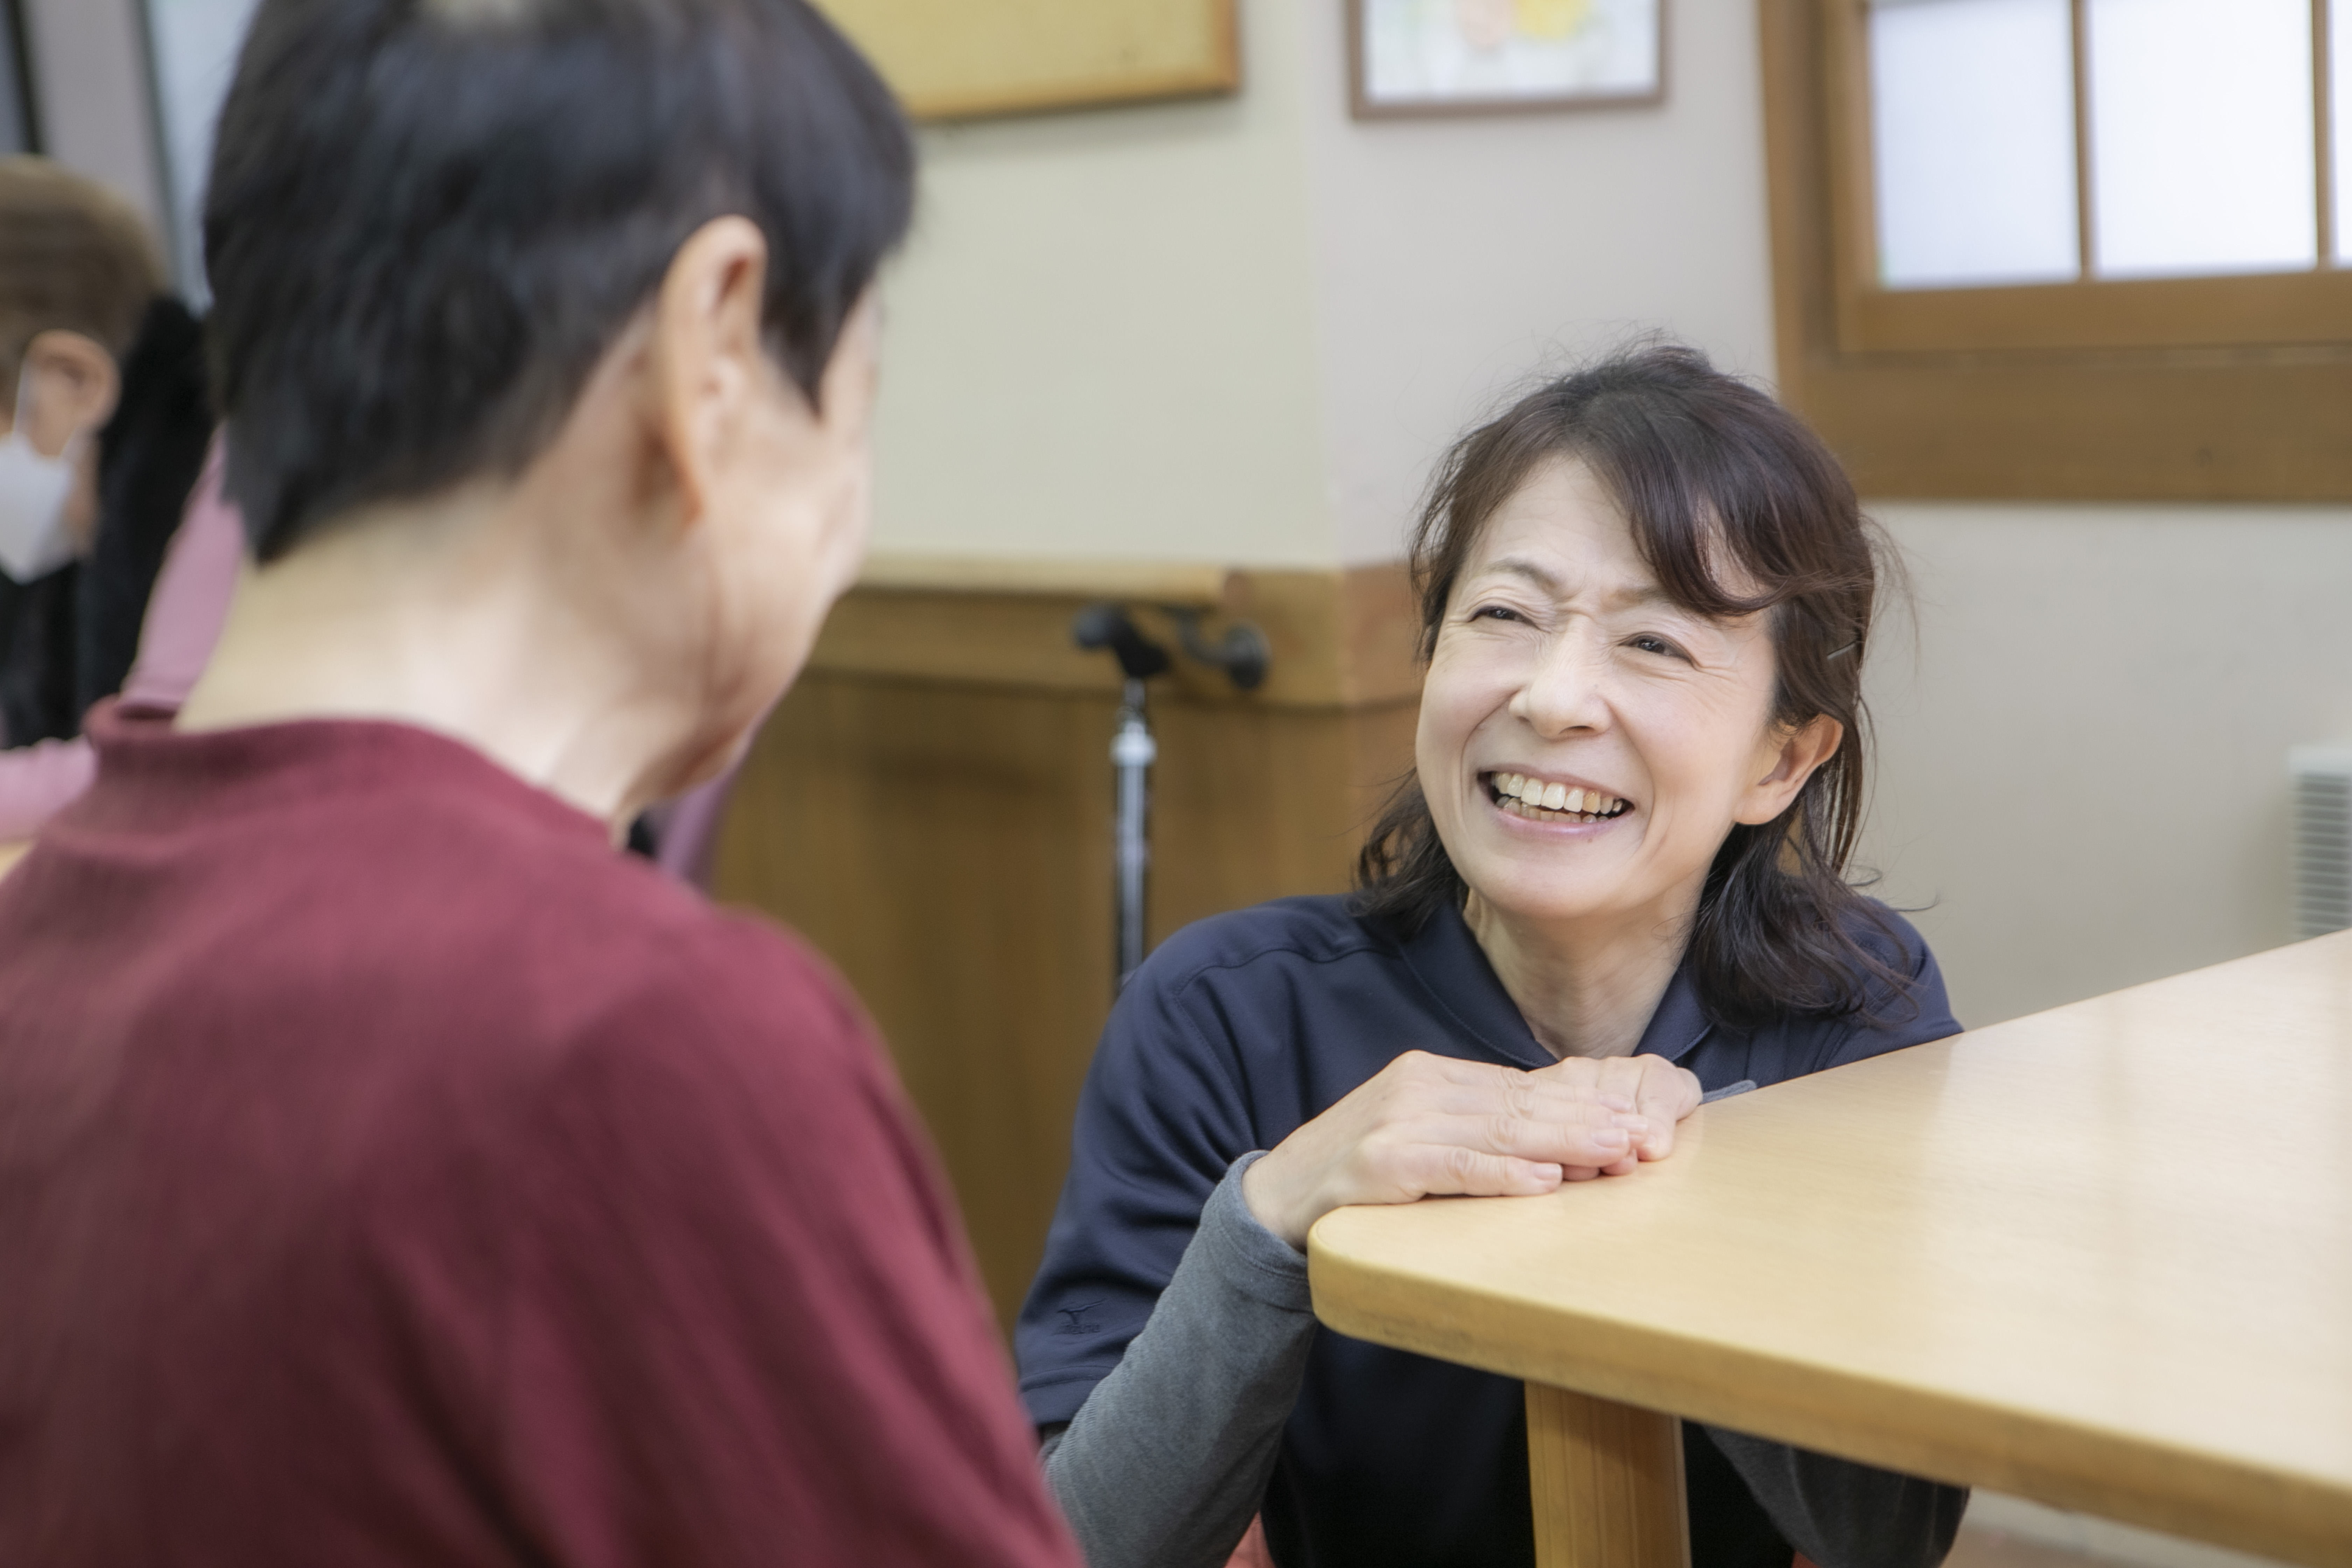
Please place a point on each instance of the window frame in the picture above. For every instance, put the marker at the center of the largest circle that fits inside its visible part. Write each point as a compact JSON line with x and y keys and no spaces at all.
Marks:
{"x":2235,"y":387}
{"x":17,"y":62}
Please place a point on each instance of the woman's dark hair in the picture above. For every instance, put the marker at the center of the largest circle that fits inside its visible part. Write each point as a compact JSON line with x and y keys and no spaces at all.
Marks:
{"x":429,"y":219}
{"x":1715,"y":479}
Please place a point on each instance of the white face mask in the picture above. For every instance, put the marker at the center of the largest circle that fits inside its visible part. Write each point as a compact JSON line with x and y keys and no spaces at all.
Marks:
{"x":35,"y":537}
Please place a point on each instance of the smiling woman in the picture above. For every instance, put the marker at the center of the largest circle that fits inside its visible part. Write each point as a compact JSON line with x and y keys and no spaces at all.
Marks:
{"x":1646,"y":568}
{"x":1615,"y":880}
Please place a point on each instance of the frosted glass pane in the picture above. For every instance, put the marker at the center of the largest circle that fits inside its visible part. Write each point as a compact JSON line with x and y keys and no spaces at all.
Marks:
{"x":196,"y":43}
{"x":2201,"y":137}
{"x":2339,"y":73}
{"x":1973,"y":133}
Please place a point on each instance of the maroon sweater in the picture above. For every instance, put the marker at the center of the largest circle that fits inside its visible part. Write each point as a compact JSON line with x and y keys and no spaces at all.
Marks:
{"x":391,"y":1172}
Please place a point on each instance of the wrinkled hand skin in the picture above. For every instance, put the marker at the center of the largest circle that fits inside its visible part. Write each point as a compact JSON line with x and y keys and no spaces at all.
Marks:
{"x":1428,"y":1124}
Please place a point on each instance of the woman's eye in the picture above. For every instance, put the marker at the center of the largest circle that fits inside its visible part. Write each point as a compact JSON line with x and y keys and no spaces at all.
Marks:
{"x":1647,"y":644}
{"x":1494,"y":612}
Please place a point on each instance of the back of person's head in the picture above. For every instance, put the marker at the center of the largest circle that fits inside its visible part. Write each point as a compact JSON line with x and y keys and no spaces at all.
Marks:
{"x":73,"y":257}
{"x":428,"y":220}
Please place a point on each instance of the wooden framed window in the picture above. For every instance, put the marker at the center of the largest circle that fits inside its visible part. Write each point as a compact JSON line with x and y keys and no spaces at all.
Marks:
{"x":2068,"y":249}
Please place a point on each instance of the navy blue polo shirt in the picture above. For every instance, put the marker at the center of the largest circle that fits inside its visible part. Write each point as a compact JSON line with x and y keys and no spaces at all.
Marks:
{"x":1240,"y":1028}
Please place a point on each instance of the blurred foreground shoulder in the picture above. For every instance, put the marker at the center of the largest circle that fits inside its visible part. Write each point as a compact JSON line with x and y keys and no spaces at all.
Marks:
{"x":736,"y":1238}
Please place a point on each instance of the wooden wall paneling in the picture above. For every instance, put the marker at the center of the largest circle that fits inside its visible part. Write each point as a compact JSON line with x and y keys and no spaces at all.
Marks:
{"x":1339,"y":638}
{"x":930,"y":807}
{"x":947,"y":852}
{"x":1256,"y":804}
{"x":2278,"y":308}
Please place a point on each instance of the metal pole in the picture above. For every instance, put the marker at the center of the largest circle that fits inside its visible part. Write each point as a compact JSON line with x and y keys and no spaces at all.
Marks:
{"x":1132,"y":751}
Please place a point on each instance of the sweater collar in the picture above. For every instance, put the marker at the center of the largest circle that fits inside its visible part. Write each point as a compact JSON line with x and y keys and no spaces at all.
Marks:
{"x":152,"y":774}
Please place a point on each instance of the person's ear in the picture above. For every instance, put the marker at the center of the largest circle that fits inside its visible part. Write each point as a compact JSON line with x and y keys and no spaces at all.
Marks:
{"x":706,"y":357}
{"x":72,"y":384}
{"x":1797,"y":755}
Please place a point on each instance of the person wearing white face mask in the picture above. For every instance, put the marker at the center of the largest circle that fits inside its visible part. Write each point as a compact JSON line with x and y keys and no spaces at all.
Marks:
{"x":38,"y":492}
{"x":78,"y":274}
{"x":105,"y":418}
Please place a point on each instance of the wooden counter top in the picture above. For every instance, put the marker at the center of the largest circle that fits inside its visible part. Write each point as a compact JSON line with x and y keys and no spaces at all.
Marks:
{"x":2101,"y":1257}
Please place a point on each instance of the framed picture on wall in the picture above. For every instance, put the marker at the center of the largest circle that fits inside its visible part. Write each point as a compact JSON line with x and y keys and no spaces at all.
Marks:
{"x":1411,"y":58}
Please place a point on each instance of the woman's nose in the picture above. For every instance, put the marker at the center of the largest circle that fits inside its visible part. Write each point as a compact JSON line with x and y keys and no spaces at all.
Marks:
{"x":1565,"y":689}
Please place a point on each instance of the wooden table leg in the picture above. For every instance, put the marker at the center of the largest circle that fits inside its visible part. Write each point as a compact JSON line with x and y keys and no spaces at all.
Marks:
{"x":1608,"y":1483}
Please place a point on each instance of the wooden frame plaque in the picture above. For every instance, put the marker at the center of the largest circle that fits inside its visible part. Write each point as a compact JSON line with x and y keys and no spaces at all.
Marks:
{"x":963,"y":59}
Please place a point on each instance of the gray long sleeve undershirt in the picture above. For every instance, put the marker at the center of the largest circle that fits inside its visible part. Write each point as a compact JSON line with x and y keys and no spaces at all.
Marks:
{"x":1164,"y":1464}
{"x":1166,"y":1460}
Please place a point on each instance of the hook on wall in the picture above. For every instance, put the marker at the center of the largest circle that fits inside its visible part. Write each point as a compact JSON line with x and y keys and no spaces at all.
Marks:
{"x":1108,"y":626}
{"x":1243,"y":653}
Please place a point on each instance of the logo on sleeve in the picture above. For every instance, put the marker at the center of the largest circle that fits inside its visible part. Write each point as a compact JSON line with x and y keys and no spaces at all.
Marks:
{"x":1078,"y":1318}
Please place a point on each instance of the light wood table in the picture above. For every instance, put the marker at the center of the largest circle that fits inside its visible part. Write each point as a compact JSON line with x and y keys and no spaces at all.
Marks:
{"x":2101,"y":1258}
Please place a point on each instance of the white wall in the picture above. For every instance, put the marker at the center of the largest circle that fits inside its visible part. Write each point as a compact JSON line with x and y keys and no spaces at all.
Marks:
{"x":2085,"y":765}
{"x":1456,"y":258}
{"x":1101,"y":335}
{"x":1239,"y":331}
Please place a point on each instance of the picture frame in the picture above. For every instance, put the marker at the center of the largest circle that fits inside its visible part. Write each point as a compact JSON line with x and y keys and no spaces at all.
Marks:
{"x":1411,"y":60}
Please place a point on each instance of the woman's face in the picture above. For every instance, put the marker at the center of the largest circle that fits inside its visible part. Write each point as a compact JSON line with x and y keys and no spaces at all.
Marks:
{"x":1585,"y":743}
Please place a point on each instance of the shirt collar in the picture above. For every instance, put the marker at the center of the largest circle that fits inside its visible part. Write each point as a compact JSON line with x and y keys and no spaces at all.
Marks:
{"x":152,"y":775}
{"x":1448,"y":960}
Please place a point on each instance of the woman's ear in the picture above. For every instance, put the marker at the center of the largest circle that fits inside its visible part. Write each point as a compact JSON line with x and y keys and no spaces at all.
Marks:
{"x":72,"y":384}
{"x":1798,"y":754}
{"x":705,"y":353}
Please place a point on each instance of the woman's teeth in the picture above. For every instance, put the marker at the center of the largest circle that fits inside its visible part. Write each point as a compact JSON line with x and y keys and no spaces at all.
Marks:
{"x":1524,"y":797}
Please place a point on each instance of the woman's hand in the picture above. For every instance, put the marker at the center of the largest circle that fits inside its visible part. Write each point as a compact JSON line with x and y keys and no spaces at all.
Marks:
{"x":1659,"y":1092}
{"x":1429,"y":1124}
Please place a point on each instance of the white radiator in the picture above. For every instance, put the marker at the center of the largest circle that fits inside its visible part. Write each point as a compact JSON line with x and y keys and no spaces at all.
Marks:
{"x":2323,"y":838}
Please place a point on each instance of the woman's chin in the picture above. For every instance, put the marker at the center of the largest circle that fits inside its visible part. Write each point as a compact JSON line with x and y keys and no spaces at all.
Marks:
{"x":1514,"y":903}
{"x":1524,"y":886}
{"x":1546,"y":875}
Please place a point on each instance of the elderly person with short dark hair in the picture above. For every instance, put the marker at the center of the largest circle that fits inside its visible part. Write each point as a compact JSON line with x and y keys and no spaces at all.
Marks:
{"x":391,"y":1172}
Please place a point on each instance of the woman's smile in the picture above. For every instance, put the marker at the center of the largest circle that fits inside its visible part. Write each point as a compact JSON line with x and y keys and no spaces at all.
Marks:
{"x":1553,"y":804}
